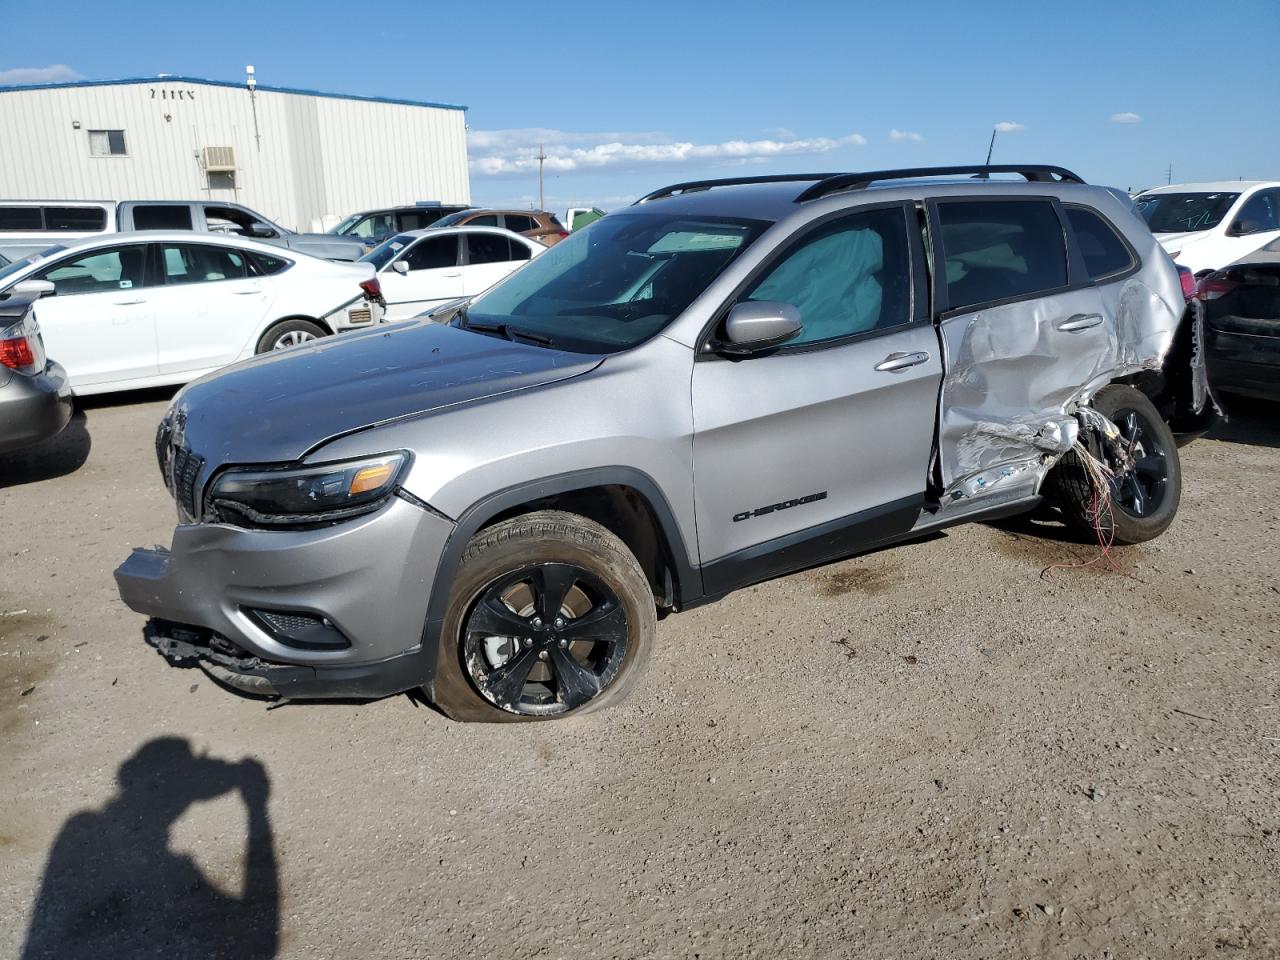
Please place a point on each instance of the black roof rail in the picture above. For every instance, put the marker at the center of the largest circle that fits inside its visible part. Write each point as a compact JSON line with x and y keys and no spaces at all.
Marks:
{"x":1033,"y":172}
{"x":692,"y":185}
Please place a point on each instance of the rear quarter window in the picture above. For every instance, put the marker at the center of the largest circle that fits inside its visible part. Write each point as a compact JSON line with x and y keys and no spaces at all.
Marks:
{"x":1000,"y":250}
{"x":1105,"y":253}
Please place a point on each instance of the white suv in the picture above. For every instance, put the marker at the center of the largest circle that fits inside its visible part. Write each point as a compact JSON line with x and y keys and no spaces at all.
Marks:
{"x":1206,"y":226}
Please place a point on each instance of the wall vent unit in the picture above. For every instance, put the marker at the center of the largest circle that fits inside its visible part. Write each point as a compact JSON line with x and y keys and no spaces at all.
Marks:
{"x":220,"y":159}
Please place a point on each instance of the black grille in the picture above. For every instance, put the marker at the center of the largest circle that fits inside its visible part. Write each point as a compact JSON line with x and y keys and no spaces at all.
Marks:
{"x":294,"y":628}
{"x":185,"y":469}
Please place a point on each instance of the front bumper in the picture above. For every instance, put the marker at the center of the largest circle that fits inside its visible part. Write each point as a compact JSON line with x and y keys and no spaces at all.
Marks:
{"x":33,"y":409}
{"x":369,"y":577}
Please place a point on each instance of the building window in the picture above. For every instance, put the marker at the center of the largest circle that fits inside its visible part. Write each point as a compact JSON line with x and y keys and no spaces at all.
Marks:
{"x":106,"y":143}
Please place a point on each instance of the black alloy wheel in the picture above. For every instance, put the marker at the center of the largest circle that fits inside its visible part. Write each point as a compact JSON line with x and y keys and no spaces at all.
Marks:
{"x":1141,"y":466}
{"x":545,"y":639}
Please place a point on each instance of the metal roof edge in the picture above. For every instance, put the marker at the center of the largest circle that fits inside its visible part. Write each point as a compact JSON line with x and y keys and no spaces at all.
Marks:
{"x":298,"y":91}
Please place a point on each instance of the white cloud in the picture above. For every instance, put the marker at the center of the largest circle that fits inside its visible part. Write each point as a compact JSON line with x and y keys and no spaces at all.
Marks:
{"x":903,"y":136}
{"x":508,"y":152}
{"x":1009,"y":126}
{"x":1125,"y":118}
{"x":54,"y":73}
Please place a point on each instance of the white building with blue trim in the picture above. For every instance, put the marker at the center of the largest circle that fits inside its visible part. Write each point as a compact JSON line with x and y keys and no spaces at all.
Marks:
{"x":303,"y":158}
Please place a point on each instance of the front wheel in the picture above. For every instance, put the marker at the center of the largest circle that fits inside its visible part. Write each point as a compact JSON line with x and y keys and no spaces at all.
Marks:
{"x":1147,"y":475}
{"x":549,"y":614}
{"x":289,"y":333}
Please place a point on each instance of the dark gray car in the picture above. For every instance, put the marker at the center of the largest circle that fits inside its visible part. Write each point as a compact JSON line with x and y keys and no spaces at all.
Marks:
{"x":35,"y":395}
{"x":727,"y":382}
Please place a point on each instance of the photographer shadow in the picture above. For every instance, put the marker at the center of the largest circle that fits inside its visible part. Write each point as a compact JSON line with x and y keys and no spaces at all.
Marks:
{"x":112,"y":886}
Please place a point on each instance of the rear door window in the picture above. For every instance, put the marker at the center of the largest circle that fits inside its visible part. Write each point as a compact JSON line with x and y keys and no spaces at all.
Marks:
{"x":162,"y":217}
{"x":1105,"y":254}
{"x":519,"y":223}
{"x":1000,"y":250}
{"x":487,"y":248}
{"x":201,"y":263}
{"x":433,"y":253}
{"x":102,"y":271}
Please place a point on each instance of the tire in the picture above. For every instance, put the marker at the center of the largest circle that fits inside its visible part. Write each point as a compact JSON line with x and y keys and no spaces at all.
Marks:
{"x":1156,"y":474}
{"x":289,"y":333}
{"x":509,"y":575}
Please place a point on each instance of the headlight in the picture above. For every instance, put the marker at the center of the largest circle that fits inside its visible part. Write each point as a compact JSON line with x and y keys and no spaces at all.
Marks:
{"x":311,"y":494}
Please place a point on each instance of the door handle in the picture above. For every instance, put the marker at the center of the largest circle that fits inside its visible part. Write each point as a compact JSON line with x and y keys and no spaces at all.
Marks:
{"x":456,"y":273}
{"x":897,"y":362}
{"x":127,"y":303}
{"x":246,"y":293}
{"x":1080,"y":321}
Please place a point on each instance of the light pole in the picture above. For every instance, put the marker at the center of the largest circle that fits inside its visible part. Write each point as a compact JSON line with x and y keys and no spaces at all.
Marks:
{"x":542,"y":158}
{"x":252,"y":82}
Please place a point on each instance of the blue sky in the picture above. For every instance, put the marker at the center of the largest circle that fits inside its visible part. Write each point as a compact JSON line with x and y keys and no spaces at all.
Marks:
{"x":629,"y":96}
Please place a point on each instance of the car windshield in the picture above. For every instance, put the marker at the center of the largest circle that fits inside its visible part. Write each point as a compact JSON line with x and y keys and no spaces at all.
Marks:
{"x":345,"y":225}
{"x":617,"y":283}
{"x":386,"y":251}
{"x":23,"y":262}
{"x":1184,"y":212}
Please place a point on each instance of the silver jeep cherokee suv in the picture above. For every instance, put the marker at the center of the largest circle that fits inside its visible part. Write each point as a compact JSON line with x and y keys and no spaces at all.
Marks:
{"x":729,"y":381}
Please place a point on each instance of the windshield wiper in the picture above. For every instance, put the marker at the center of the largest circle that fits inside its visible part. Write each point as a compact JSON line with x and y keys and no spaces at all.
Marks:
{"x":505,"y":330}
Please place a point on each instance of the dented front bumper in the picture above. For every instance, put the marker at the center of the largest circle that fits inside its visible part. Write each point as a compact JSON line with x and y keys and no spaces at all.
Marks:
{"x":363,"y":585}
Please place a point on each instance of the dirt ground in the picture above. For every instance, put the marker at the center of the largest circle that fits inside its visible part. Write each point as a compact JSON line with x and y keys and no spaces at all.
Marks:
{"x":931,"y":751}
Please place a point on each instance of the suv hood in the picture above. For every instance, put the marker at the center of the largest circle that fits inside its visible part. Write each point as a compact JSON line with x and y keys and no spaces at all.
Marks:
{"x":279,"y":406}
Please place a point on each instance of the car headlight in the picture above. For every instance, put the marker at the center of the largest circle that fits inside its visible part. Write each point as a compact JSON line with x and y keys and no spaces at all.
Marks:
{"x":289,"y":496}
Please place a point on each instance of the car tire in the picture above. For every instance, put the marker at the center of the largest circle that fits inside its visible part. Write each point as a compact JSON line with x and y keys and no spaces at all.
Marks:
{"x":289,"y":333}
{"x":1145,"y":496}
{"x":509,"y":576}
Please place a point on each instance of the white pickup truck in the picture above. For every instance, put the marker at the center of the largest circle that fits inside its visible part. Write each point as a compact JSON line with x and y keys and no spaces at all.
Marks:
{"x":28,"y":226}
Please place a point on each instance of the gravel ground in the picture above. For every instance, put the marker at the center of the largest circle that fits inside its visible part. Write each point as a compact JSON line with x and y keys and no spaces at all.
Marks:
{"x":931,"y":751}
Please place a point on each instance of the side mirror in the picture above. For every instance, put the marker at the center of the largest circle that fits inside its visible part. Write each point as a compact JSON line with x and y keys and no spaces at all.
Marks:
{"x":1242,"y":228}
{"x":261,"y":230}
{"x":34,"y":288}
{"x":756,"y":325}
{"x":400,"y":267}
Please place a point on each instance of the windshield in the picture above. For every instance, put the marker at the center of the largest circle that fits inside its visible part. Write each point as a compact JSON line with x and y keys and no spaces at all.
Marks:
{"x":616,"y":283}
{"x":386,"y":251}
{"x":345,"y":225}
{"x":1184,"y":212}
{"x":24,"y":262}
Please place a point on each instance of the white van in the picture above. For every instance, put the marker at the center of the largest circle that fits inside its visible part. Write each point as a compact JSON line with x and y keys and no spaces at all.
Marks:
{"x":29,"y":226}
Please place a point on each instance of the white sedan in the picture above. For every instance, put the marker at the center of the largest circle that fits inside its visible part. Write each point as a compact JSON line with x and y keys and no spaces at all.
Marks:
{"x":1206,"y":226}
{"x":128,"y":310}
{"x":421,"y":269}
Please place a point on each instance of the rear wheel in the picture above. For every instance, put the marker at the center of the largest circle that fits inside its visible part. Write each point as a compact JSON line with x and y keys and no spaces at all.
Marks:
{"x":290,"y":333}
{"x":550,"y":614}
{"x":1147,"y":482}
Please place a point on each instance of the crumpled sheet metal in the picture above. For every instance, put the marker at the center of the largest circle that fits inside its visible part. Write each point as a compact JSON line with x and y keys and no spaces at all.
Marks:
{"x":1014,"y":381}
